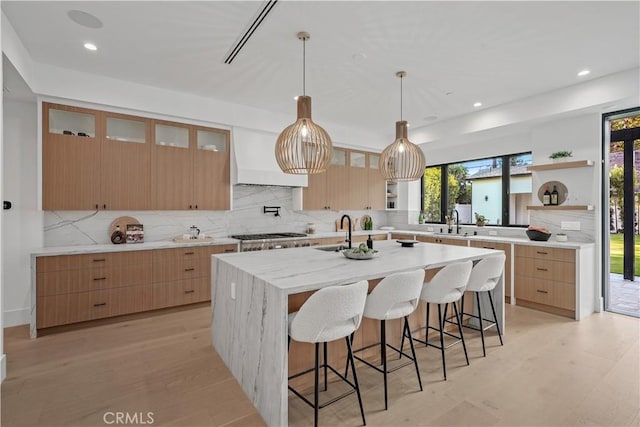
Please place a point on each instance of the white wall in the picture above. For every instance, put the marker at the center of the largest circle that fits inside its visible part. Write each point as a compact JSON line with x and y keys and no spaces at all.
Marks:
{"x":22,"y":224}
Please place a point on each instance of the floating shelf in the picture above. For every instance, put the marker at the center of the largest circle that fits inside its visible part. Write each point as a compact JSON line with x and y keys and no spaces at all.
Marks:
{"x":561,"y":208}
{"x":561,"y":165}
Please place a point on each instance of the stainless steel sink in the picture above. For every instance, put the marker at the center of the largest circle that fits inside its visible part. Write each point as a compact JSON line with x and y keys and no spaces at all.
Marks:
{"x":335,"y":248}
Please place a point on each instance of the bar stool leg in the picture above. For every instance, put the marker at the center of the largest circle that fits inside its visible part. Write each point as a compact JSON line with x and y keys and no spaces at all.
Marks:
{"x":413,"y":350}
{"x":444,"y":365}
{"x":326,"y":362}
{"x":495,"y":317}
{"x":383,"y":356}
{"x":355,"y":379}
{"x":464,"y":346}
{"x":315,"y":388}
{"x":484,"y":353}
{"x":426,"y":331}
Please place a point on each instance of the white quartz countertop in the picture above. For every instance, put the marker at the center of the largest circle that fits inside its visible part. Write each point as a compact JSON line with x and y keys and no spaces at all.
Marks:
{"x":503,"y":239}
{"x":165,"y":244}
{"x":300,"y":269}
{"x":342,"y":233}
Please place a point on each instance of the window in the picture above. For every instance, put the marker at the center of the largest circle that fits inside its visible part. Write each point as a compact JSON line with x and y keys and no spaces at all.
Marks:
{"x":498,"y":188}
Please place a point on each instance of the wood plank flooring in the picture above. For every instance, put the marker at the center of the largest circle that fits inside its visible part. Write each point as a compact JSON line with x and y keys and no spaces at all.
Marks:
{"x":551,"y":371}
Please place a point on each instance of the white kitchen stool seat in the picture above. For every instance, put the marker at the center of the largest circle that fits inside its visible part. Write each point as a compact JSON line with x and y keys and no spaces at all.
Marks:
{"x":329,"y":314}
{"x":395,"y":297}
{"x":485,"y":275}
{"x":446,"y":287}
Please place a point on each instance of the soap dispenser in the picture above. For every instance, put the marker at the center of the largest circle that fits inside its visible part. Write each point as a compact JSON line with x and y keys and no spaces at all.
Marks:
{"x":370,"y":242}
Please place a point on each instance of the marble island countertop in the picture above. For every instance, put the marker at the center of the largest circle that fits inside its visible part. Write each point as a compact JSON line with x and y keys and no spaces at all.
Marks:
{"x":300,"y":269}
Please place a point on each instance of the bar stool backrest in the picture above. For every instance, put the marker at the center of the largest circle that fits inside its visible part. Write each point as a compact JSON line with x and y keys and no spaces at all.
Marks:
{"x":486,"y":273}
{"x":453,"y":277}
{"x":396,"y":295}
{"x":330,"y":313}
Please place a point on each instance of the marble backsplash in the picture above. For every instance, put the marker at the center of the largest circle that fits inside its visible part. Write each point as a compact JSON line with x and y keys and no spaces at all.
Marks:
{"x":71,"y":228}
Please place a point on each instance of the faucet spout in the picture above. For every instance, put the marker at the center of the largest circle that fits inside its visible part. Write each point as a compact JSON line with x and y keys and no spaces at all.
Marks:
{"x":457,"y":221}
{"x":342,"y":226}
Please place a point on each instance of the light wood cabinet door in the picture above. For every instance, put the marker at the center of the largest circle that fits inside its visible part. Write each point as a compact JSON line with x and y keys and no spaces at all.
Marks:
{"x":71,"y":160}
{"x":358,"y":182}
{"x":171,"y":167}
{"x":211,"y":169}
{"x":337,"y":180}
{"x":126,"y":163}
{"x":314,"y":196}
{"x":377,"y":184}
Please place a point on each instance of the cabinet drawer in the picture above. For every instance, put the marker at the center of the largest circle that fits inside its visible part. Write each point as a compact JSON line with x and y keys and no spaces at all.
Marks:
{"x":70,"y":281}
{"x":401,"y":236}
{"x":98,"y":260}
{"x":57,"y":310}
{"x":540,"y":252}
{"x":546,"y":269}
{"x":557,"y":294}
{"x":168,"y":294}
{"x":220,"y":249}
{"x":427,"y":239}
{"x":178,"y":269}
{"x":506,"y":247}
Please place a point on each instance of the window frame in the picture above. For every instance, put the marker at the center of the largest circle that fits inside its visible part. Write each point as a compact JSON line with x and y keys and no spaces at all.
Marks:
{"x":444,"y":188}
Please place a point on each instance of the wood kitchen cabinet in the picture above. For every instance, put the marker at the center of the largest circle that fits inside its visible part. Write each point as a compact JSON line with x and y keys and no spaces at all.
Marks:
{"x":327,"y":190}
{"x":101,"y":160}
{"x":545,"y":279}
{"x":376,"y":183}
{"x":79,"y":288}
{"x":358,"y":182}
{"x":442,"y":240}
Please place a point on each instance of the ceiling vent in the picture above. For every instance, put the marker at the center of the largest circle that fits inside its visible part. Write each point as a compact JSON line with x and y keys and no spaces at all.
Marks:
{"x":244,"y":38}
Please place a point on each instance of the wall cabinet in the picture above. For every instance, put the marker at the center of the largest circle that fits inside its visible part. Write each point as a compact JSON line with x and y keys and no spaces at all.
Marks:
{"x":100,"y":160}
{"x":352,"y":181}
{"x":78,"y":288}
{"x":545,"y":279}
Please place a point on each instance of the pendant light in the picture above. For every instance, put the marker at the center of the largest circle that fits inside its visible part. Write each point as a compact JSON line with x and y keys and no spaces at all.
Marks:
{"x":402,"y":160}
{"x":303,"y":147}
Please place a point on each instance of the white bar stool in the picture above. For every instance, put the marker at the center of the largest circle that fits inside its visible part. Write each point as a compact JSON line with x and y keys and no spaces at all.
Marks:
{"x":485,"y":275}
{"x":447,"y":286}
{"x":395,"y":297}
{"x":329,"y":314}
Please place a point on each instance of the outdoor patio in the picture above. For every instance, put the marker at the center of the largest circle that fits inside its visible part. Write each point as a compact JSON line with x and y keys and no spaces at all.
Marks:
{"x":624,"y":295}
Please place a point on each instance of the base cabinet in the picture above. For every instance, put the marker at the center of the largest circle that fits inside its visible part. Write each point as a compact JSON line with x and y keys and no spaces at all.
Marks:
{"x":545,"y":279}
{"x":79,"y":288}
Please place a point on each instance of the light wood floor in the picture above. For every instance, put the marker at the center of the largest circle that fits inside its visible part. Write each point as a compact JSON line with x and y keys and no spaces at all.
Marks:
{"x":551,"y":371}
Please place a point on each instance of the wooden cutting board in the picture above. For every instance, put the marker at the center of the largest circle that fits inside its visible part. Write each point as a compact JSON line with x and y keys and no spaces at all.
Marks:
{"x":354,"y":224}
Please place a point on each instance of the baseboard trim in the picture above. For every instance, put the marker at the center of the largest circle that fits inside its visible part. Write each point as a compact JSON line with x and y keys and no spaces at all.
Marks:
{"x":16,"y":317}
{"x":3,"y":367}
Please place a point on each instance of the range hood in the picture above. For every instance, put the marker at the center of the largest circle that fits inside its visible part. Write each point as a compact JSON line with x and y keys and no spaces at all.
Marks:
{"x":255,"y":160}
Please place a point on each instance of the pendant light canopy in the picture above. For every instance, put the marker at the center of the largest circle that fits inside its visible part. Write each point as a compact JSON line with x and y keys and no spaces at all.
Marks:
{"x":402,"y":160}
{"x":303,"y":147}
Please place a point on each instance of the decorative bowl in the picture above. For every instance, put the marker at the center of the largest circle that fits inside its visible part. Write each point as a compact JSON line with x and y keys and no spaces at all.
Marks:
{"x":538,"y":236}
{"x":349,"y":253}
{"x":407,"y":243}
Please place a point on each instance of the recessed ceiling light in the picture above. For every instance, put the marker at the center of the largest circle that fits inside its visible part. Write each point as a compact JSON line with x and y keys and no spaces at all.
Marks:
{"x":90,"y":46}
{"x":85,"y":19}
{"x":477,"y":104}
{"x":583,"y":73}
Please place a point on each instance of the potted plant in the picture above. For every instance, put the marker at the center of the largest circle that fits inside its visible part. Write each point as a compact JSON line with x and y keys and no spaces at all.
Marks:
{"x":561,"y":237}
{"x":560,"y":156}
{"x":480,"y":219}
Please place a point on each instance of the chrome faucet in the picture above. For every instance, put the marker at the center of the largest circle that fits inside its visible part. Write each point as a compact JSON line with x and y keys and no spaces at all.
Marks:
{"x":457,"y":221}
{"x":342,"y":226}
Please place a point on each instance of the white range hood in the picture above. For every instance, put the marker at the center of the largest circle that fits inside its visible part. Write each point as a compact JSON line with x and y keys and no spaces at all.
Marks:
{"x":255,"y":160}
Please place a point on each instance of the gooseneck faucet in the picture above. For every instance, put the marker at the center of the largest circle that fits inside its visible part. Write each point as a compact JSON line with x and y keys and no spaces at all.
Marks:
{"x":457,"y":221}
{"x":342,"y":226}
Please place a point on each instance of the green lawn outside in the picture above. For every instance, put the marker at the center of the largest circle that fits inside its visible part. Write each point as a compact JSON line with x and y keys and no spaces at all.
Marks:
{"x":616,"y":250}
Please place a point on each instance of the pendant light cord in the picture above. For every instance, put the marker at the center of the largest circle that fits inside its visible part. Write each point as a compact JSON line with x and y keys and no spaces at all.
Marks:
{"x":400,"y":98}
{"x":304,"y":62}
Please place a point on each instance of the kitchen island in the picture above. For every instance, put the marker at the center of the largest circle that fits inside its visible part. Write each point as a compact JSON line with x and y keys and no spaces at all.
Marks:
{"x":250,"y":305}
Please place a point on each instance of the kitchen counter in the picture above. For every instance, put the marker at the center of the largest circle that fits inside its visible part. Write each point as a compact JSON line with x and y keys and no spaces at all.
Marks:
{"x":250,"y":305}
{"x":91,"y":249}
{"x":503,"y":239}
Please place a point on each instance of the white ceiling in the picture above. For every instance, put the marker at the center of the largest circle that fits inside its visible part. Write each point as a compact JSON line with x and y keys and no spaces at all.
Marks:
{"x":455,"y":53}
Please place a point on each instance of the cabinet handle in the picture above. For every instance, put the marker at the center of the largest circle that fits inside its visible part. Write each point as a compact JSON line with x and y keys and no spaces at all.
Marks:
{"x":96,"y":206}
{"x":541,"y":291}
{"x":189,"y":269}
{"x":100,"y":260}
{"x":541,"y":269}
{"x":229,"y":250}
{"x":189,"y":292}
{"x":542,"y":253}
{"x":190,"y":207}
{"x":99,"y":278}
{"x":99,"y":304}
{"x":189,"y":253}
{"x":488,"y":247}
{"x":196,"y":206}
{"x":104,"y":206}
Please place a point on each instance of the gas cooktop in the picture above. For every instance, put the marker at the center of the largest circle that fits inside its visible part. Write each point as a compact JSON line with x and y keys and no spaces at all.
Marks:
{"x":267,"y":236}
